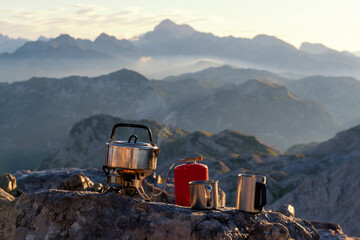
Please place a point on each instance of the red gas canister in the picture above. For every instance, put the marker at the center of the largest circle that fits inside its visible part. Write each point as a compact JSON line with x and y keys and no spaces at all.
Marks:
{"x":185,"y":173}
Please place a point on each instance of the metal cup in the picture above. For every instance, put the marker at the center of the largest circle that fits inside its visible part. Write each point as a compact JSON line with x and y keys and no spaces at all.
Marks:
{"x":204,"y":194}
{"x":251,"y":193}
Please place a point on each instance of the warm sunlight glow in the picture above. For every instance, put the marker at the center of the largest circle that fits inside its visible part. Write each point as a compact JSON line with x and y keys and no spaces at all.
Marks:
{"x":332,"y":23}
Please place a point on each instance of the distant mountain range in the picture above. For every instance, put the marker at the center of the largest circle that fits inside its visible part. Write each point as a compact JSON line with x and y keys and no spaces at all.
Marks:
{"x":315,"y":48}
{"x":9,"y":45}
{"x":339,"y":95}
{"x":211,"y":100}
{"x":86,"y":140}
{"x":259,"y":108}
{"x":38,"y":113}
{"x":223,"y":75}
{"x":66,"y":47}
{"x":167,"y":45}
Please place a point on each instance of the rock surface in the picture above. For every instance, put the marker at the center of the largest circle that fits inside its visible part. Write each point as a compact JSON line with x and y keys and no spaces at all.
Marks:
{"x":287,"y":209}
{"x":331,"y":196}
{"x":77,"y":182}
{"x":8,"y":182}
{"x":57,"y":214}
{"x":330,"y":193}
{"x":328,"y":231}
{"x":36,"y":181}
{"x":5,"y":196}
{"x":45,"y":213}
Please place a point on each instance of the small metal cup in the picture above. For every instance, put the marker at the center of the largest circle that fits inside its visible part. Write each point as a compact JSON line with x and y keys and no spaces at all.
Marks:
{"x":251,"y":193}
{"x":204,"y":194}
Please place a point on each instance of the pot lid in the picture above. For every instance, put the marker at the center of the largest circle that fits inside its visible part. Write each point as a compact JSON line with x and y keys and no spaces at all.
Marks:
{"x":132,"y":144}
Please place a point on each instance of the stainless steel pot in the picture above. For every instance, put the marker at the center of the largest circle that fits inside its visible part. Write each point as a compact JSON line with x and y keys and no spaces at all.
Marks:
{"x":131,"y":154}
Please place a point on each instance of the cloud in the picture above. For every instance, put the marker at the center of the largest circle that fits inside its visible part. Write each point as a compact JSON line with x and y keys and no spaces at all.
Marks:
{"x":85,"y":9}
{"x":88,"y":21}
{"x":144,"y":59}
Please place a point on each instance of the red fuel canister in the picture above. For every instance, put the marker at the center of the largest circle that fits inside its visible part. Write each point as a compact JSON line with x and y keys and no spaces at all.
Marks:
{"x":185,"y":173}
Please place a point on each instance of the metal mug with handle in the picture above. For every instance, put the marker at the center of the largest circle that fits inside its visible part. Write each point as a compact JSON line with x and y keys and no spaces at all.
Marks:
{"x":204,"y":194}
{"x":251,"y":193}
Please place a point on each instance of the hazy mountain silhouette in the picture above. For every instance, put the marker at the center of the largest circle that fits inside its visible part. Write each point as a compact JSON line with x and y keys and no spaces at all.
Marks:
{"x":36,"y":114}
{"x":314,"y":48}
{"x":259,"y":108}
{"x":63,"y":46}
{"x":266,"y":51}
{"x":9,"y":45}
{"x":339,"y":95}
{"x":175,"y":44}
{"x":85,"y":143}
{"x":167,"y":30}
{"x":227,"y":74}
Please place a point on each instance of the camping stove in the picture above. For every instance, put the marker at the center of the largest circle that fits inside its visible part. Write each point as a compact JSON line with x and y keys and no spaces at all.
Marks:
{"x":129,"y":162}
{"x":127,"y":182}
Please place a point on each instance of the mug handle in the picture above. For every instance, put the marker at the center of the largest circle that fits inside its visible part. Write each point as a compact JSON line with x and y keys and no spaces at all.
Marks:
{"x":209,"y":192}
{"x":260,"y":196}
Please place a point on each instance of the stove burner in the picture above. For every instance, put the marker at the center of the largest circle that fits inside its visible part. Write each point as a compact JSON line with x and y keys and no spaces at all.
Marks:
{"x":126,"y":181}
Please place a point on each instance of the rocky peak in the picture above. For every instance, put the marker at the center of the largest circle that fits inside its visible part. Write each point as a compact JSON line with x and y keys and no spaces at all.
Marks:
{"x":3,"y":38}
{"x":257,"y":87}
{"x":263,"y":39}
{"x":344,"y":143}
{"x":314,"y":48}
{"x":169,"y":25}
{"x":43,"y":38}
{"x":125,"y":74}
{"x":166,"y":24}
{"x":168,"y":29}
{"x":247,"y":143}
{"x":257,"y":83}
{"x":103,"y":37}
{"x":64,"y":39}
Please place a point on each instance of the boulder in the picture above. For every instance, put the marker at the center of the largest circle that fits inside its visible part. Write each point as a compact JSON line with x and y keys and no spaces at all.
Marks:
{"x":4,"y":196}
{"x":286,"y":209}
{"x":35,"y":181}
{"x":7,"y":215}
{"x":77,"y":182}
{"x":330,"y":231}
{"x":8,"y":182}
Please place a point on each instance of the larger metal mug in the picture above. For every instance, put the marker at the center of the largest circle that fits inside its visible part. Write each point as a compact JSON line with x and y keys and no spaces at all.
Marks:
{"x":204,"y":194}
{"x":251,"y":193}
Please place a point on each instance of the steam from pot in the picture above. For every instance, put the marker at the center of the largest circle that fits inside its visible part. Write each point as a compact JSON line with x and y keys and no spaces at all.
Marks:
{"x":169,"y":122}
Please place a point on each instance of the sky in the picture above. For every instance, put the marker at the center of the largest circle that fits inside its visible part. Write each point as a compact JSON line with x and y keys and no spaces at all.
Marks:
{"x":333,"y":23}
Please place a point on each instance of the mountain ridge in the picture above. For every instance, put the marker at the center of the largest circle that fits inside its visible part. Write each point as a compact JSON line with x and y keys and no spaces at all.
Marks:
{"x":169,"y":41}
{"x":339,"y":95}
{"x":31,"y":108}
{"x":261,"y":109}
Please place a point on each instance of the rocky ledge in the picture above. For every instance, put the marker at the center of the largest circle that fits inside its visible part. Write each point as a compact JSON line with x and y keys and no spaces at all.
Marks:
{"x":84,"y":214}
{"x":58,"y":214}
